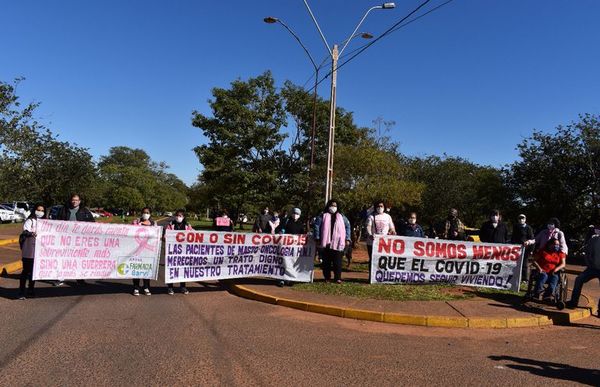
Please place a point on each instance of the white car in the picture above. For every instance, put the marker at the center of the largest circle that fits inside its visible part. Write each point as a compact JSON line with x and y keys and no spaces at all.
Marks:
{"x":95,"y":214}
{"x":8,"y":214}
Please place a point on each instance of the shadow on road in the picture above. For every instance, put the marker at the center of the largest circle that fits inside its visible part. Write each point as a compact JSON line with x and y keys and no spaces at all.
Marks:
{"x":73,"y":288}
{"x":552,"y":370}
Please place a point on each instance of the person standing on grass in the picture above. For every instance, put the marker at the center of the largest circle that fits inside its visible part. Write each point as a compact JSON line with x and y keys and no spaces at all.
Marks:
{"x":494,"y":230}
{"x":74,"y":211}
{"x":378,"y":223}
{"x":27,"y":243}
{"x":261,"y":225}
{"x":412,"y":228}
{"x":293,"y":225}
{"x":522,"y":232}
{"x":178,"y":223}
{"x":144,"y":220}
{"x":332,"y":235}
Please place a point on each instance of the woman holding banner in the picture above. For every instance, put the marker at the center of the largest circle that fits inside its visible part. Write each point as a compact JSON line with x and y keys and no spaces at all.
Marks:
{"x":27,"y":243}
{"x":223,"y":222}
{"x":332,"y":235}
{"x":179,"y":223}
{"x":378,"y":223}
{"x":144,"y":220}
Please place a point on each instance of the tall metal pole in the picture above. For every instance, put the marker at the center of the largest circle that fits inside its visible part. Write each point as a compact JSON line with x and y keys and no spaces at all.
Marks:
{"x":330,"y":151}
{"x":314,"y":126}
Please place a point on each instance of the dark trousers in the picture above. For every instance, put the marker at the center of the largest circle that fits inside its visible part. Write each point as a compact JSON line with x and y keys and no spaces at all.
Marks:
{"x":26,"y":274}
{"x":181,"y":285}
{"x":332,"y":258}
{"x":136,"y":283}
{"x":585,"y":276}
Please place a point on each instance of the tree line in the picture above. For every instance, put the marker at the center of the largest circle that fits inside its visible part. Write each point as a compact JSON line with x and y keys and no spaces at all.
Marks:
{"x":37,"y":166}
{"x":256,"y":152}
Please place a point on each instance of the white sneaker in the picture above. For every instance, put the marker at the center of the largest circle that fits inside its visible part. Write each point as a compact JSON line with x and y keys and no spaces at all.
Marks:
{"x":136,"y":292}
{"x":147,"y":292}
{"x":185,"y":291}
{"x":170,"y":291}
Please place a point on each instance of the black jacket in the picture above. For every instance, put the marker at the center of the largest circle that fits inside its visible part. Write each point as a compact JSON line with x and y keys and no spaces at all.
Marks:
{"x":521,"y":234}
{"x":293,"y":227}
{"x":83,"y":214}
{"x":592,"y":253}
{"x":490,"y":234}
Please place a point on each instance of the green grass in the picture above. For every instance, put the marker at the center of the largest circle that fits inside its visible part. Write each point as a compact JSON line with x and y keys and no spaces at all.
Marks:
{"x":386,"y":292}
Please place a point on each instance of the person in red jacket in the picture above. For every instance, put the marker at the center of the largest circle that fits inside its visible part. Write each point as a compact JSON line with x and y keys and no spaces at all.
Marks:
{"x":549,"y":262}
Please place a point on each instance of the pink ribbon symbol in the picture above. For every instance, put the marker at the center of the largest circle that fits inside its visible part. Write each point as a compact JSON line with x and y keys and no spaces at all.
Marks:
{"x":141,"y":238}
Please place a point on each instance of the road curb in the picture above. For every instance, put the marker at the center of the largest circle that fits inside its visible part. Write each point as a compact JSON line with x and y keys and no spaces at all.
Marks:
{"x":548,"y":318}
{"x":11,"y":267}
{"x":5,"y":242}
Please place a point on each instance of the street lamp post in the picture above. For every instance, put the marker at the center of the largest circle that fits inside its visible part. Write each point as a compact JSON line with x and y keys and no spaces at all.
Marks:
{"x":332,"y":102}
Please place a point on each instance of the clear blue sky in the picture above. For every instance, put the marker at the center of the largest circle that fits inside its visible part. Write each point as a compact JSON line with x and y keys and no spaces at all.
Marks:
{"x":471,"y":79}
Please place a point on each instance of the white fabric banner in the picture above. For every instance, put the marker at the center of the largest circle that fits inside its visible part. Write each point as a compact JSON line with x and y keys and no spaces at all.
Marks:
{"x":405,"y":260}
{"x":86,"y":250}
{"x":212,"y":255}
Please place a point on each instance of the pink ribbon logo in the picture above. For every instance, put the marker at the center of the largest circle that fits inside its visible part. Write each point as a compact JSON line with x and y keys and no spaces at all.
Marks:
{"x":142,"y":239}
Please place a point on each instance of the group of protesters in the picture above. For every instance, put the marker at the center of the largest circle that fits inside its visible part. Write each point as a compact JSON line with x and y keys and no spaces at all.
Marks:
{"x":331,"y":231}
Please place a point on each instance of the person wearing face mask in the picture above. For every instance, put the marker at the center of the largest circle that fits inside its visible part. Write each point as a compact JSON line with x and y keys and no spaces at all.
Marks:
{"x":223,"y":222}
{"x":332,"y":235}
{"x":494,"y":230}
{"x":144,"y":220}
{"x":549,"y":262}
{"x":592,"y":260}
{"x":27,"y":243}
{"x":412,"y":228}
{"x":293,"y":225}
{"x":274,"y":222}
{"x":181,"y":224}
{"x":552,"y":231}
{"x":453,"y":228}
{"x":74,"y":210}
{"x":378,"y":223}
{"x":521,"y":233}
{"x":261,"y":225}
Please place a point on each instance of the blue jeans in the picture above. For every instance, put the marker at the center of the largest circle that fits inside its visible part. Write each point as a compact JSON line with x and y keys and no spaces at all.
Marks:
{"x":552,"y":280}
{"x":585,"y":276}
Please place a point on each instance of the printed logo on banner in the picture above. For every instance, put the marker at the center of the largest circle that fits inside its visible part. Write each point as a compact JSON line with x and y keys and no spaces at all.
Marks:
{"x":136,"y":267}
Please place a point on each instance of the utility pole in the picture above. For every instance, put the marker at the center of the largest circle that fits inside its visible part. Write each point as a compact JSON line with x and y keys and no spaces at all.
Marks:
{"x":332,"y":106}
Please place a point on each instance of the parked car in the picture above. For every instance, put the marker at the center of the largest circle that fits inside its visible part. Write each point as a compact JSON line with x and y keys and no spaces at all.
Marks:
{"x":21,"y":207}
{"x":8,"y":214}
{"x":104,"y":213}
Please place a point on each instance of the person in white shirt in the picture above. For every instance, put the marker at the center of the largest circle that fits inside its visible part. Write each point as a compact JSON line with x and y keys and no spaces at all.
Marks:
{"x":27,"y":243}
{"x":378,"y":223}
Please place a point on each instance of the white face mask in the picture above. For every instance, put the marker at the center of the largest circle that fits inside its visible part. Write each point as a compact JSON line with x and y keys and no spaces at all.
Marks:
{"x":145,"y":216}
{"x":550,"y":226}
{"x":39,"y":214}
{"x":379,"y":210}
{"x":296,"y":216}
{"x":412,"y":220}
{"x":495,"y":218}
{"x":521,"y":221}
{"x":179,"y":219}
{"x":333,"y":209}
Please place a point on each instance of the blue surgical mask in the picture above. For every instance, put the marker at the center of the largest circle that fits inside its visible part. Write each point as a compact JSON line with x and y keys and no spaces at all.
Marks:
{"x":556,"y":248}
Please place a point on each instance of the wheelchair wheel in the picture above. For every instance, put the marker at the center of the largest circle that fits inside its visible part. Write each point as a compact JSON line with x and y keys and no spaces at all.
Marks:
{"x":560,"y":305}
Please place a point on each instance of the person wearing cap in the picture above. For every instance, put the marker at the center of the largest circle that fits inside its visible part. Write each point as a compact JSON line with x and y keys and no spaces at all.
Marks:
{"x":292,"y":224}
{"x":522,"y":232}
{"x":592,"y":260}
{"x":453,"y":228}
{"x":494,"y":230}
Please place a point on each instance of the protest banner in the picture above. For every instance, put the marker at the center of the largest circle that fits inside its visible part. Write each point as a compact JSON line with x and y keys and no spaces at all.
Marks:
{"x":85,"y":250}
{"x":212,"y":255}
{"x":404,"y":260}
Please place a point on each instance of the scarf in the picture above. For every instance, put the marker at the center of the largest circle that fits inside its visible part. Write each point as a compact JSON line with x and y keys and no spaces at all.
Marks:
{"x":337,"y":241}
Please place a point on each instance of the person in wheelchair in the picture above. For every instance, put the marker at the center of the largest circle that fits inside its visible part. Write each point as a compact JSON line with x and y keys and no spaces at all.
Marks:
{"x":549,"y":262}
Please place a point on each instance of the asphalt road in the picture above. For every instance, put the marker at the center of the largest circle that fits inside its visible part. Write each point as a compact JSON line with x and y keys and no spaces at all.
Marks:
{"x":99,"y":334}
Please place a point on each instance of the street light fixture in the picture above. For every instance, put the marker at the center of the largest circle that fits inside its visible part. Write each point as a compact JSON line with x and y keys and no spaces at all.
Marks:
{"x":334,"y":53}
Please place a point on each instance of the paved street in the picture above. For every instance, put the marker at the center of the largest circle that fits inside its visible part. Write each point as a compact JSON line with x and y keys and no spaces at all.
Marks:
{"x":101,"y":335}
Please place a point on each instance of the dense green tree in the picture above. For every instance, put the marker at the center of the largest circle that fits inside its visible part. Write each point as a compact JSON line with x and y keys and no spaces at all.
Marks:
{"x":559,"y":174}
{"x":132,"y":180}
{"x":34,"y":163}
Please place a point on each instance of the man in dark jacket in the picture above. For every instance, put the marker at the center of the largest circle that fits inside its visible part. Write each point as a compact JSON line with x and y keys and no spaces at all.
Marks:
{"x":592,"y":260}
{"x":522,"y":232}
{"x":494,"y":230}
{"x":75,"y":211}
{"x":293,"y":224}
{"x":262,"y":222}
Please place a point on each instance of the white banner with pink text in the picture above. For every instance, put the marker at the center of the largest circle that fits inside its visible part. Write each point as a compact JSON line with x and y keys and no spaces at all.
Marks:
{"x":405,"y":260}
{"x":212,"y":255}
{"x":85,"y":250}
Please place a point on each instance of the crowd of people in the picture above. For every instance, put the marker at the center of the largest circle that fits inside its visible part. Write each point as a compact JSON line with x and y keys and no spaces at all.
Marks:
{"x":332,"y":232}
